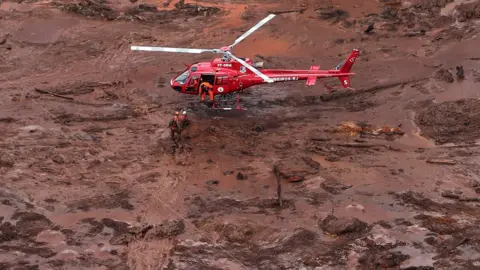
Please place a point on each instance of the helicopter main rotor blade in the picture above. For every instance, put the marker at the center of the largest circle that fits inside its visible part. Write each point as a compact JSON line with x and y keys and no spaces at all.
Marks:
{"x":165,"y":49}
{"x":254,"y":70}
{"x":258,"y":25}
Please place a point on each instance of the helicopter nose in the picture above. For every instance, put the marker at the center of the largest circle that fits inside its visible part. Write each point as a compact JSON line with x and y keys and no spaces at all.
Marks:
{"x":175,"y":87}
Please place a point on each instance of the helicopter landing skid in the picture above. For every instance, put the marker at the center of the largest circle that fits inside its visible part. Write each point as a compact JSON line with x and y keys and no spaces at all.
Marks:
{"x":223,"y":105}
{"x":332,"y":89}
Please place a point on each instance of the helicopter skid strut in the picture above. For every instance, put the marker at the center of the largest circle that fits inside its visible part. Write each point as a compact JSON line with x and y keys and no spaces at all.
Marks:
{"x":236,"y":101}
{"x":219,"y":105}
{"x":331,"y":89}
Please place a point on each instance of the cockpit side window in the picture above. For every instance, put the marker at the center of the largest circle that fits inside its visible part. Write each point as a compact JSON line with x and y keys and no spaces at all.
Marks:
{"x":182,"y":78}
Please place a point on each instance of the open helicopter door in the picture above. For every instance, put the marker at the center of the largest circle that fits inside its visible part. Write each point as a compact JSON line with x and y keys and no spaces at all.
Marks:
{"x":193,"y":83}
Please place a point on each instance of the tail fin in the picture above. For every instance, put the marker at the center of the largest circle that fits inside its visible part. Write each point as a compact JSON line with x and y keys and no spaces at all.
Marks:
{"x":346,"y":66}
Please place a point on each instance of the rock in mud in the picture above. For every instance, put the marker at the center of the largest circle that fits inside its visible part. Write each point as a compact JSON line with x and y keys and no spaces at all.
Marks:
{"x":297,"y":168}
{"x":31,"y":250}
{"x":451,"y":121}
{"x":117,"y":226}
{"x":8,"y":232}
{"x":248,"y":14}
{"x":241,"y":176}
{"x":212,"y":182}
{"x":235,"y":234}
{"x":384,"y":260}
{"x":343,"y":225}
{"x":6,"y":160}
{"x":167,"y":229}
{"x":449,"y":194}
{"x":332,"y":13}
{"x":441,"y":225}
{"x":444,"y":75}
{"x":106,"y":201}
{"x":96,"y":226}
{"x":334,"y":186}
{"x":30,"y":224}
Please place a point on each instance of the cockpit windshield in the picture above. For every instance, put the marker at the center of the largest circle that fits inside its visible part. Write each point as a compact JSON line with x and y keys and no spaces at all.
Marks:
{"x":182,"y":78}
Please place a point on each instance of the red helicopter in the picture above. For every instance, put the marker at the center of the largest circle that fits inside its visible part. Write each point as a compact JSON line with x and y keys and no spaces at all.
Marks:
{"x":231,"y":74}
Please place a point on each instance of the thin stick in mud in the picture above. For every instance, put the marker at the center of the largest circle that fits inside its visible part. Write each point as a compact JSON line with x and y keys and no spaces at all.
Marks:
{"x":279,"y":185}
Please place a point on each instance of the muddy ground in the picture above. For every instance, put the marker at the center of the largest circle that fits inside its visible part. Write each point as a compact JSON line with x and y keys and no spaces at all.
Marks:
{"x":383,"y":178}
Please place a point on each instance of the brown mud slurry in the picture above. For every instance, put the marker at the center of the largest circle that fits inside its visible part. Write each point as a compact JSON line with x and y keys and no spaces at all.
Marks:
{"x":383,"y":178}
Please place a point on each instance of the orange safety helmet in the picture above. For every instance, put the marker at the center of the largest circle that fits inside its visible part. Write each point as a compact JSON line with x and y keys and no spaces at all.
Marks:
{"x":177,"y":113}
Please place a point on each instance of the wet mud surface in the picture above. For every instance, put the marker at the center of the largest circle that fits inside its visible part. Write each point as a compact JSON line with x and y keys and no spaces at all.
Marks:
{"x":385,"y":177}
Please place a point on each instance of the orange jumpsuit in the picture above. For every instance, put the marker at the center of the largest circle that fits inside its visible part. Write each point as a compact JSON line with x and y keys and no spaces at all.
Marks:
{"x":204,"y":87}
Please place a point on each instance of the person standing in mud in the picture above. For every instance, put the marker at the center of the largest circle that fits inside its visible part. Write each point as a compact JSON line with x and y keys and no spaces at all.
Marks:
{"x":173,"y":125}
{"x":183,"y":121}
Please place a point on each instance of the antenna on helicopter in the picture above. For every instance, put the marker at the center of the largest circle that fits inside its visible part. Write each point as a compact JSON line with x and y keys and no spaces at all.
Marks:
{"x":224,"y":50}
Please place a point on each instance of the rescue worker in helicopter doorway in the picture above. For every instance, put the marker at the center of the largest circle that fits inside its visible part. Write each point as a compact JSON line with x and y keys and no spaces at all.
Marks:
{"x":204,"y":88}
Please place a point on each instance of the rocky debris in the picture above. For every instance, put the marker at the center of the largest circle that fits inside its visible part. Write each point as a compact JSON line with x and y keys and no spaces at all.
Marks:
{"x":7,"y":119}
{"x":258,"y":128}
{"x":365,"y":129}
{"x":142,"y":12}
{"x":334,"y":186}
{"x":124,"y":235}
{"x":385,"y":259}
{"x":442,"y":225}
{"x":249,"y":13}
{"x":369,"y":29}
{"x":35,"y":249}
{"x":296,"y":168}
{"x":476,"y":75}
{"x":58,"y":159}
{"x":110,"y":201}
{"x":199,"y":206}
{"x":89,"y":8}
{"x":450,"y":194}
{"x":96,"y":226}
{"x":444,"y":75}
{"x":6,"y":160}
{"x":467,"y":11}
{"x":441,"y":161}
{"x":460,"y":72}
{"x":451,"y":121}
{"x":8,"y":232}
{"x":332,"y":13}
{"x":151,"y":177}
{"x":212,"y":182}
{"x":167,"y":229}
{"x":29,"y":224}
{"x":233,"y":233}
{"x":145,"y":12}
{"x":343,"y":225}
{"x":420,"y":16}
{"x":419,"y":201}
